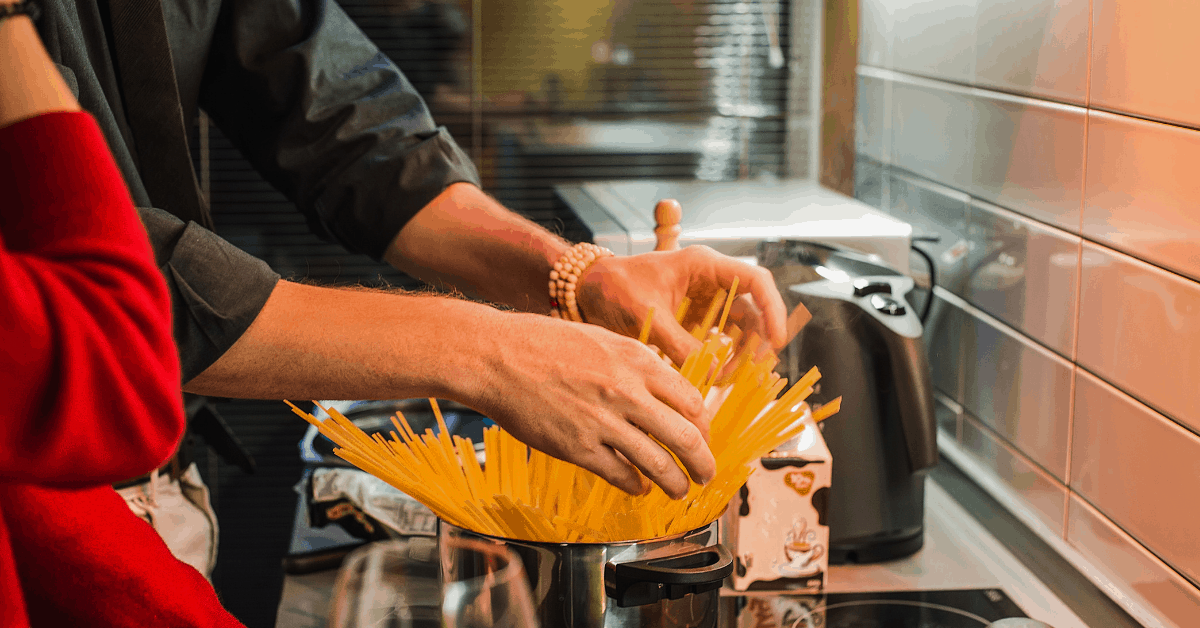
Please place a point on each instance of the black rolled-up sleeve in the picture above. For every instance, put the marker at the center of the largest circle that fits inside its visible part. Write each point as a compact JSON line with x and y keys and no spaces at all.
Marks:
{"x":217,"y":289}
{"x":327,"y":119}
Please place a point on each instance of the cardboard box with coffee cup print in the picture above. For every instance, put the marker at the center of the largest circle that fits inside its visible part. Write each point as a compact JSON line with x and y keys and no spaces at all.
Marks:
{"x":775,"y":527}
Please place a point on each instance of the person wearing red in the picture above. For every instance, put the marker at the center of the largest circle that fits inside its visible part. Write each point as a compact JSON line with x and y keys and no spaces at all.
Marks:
{"x":88,"y":370}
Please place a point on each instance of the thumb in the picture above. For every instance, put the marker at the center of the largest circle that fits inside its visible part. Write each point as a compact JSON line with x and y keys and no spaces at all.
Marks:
{"x":673,"y":339}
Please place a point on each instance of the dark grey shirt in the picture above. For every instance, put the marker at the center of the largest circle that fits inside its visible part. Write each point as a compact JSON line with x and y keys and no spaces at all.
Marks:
{"x":322,"y":114}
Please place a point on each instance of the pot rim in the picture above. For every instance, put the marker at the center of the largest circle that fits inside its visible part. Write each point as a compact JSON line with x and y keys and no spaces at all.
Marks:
{"x":671,"y":537}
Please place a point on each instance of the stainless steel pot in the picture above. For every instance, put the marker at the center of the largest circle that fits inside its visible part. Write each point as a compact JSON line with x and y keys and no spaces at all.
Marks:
{"x":668,"y":582}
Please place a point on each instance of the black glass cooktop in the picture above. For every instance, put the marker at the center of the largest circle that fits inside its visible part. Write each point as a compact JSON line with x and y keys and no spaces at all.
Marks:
{"x":963,"y":608}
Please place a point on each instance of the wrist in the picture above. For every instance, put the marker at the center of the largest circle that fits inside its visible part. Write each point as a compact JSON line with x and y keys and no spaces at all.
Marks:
{"x":480,"y":357}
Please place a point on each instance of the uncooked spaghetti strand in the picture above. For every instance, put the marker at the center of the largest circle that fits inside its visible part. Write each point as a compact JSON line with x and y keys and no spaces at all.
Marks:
{"x":491,"y":458}
{"x":710,"y":316}
{"x":444,"y":434}
{"x":760,"y":397}
{"x":681,"y":311}
{"x":787,"y":404}
{"x":697,"y":364}
{"x":529,"y":527}
{"x":644,"y":336}
{"x":447,"y":464}
{"x":728,"y":303}
{"x":471,"y":468}
{"x":827,"y":410}
{"x":521,"y":481}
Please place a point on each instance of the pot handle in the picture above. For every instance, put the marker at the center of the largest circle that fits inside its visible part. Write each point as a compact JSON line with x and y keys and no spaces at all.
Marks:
{"x":647,"y":581}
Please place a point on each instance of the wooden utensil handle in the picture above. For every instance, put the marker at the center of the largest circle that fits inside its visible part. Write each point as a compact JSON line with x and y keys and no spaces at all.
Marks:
{"x":667,"y":214}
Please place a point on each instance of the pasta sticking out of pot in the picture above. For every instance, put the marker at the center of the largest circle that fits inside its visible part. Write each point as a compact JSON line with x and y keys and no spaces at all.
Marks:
{"x":522,"y":493}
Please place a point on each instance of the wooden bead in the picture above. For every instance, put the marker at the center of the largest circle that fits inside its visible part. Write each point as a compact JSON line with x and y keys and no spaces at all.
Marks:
{"x":564,"y":278}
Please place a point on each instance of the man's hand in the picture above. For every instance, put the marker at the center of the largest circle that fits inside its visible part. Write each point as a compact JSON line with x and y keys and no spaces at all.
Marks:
{"x":617,"y":293}
{"x":577,"y":392}
{"x":595,"y":398}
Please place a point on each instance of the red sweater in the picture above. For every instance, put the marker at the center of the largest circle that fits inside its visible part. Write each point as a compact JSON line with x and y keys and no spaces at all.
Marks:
{"x":89,"y":391}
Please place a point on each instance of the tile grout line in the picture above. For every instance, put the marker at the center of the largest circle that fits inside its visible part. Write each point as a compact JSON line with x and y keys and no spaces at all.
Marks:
{"x":1087,"y":79}
{"x":1004,"y":442}
{"x":1058,"y":231}
{"x":1078,"y":310}
{"x":1067,"y":479}
{"x":989,"y":484}
{"x":1134,"y":540}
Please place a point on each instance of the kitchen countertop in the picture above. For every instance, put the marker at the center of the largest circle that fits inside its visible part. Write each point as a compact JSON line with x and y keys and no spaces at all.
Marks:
{"x":958,"y":554}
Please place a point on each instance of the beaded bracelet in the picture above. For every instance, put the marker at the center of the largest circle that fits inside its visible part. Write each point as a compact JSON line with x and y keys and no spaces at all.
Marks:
{"x":565,"y":277}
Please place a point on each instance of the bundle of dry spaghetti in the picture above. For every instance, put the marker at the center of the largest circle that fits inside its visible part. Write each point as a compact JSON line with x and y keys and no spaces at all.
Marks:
{"x":522,"y":493}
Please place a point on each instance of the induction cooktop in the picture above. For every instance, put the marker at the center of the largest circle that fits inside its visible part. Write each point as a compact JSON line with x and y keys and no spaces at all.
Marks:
{"x":962,"y":608}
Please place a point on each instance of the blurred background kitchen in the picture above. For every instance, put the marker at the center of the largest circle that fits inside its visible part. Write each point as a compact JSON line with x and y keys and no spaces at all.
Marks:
{"x":1043,"y":151}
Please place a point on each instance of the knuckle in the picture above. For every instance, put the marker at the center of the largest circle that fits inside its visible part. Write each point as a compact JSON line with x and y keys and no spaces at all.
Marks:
{"x":613,"y":391}
{"x":593,"y":450}
{"x":689,"y":437}
{"x":659,"y":465}
{"x":629,"y":345}
{"x":693,"y":403}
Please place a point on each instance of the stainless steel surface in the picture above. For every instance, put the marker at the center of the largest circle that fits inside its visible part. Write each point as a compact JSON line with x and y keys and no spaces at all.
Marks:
{"x":1141,"y":191}
{"x":1019,"y":389}
{"x":1018,"y":622}
{"x":1028,"y":156}
{"x":1025,"y":274}
{"x":869,"y":183}
{"x":1045,"y":494}
{"x":932,"y":130}
{"x":1138,"y":329}
{"x":950,"y":417}
{"x":1038,"y":47}
{"x":939,"y":42}
{"x":871,"y":117}
{"x":1141,"y":469}
{"x":734,"y":217}
{"x":568,"y":580}
{"x":944,"y":331}
{"x":608,"y":137}
{"x":1140,"y":52}
{"x":875,"y":31}
{"x":935,"y":210}
{"x":1124,"y":560}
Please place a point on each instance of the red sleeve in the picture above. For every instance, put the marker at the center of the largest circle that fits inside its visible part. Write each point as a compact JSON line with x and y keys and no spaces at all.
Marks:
{"x":84,"y":559}
{"x":91,"y":390}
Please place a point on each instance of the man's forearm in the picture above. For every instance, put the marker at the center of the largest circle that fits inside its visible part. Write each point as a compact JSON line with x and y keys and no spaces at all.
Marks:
{"x":311,"y":342}
{"x":465,"y":239}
